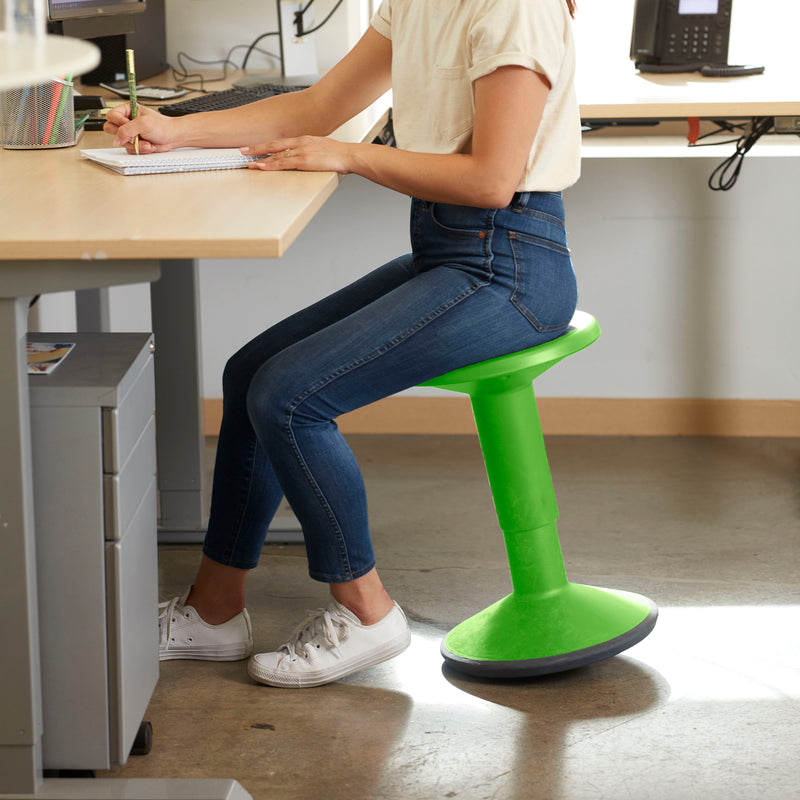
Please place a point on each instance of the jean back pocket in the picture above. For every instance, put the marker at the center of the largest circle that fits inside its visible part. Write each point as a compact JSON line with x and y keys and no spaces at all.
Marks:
{"x":545,"y":289}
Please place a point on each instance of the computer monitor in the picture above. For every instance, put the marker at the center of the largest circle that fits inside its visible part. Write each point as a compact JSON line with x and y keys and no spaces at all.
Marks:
{"x":114,"y":26}
{"x":89,"y":19}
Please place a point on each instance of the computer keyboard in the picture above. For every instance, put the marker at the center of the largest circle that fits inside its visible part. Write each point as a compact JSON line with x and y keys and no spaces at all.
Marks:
{"x":227,"y":98}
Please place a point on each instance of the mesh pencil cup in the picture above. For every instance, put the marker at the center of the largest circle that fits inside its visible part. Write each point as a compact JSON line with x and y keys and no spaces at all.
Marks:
{"x":35,"y":117}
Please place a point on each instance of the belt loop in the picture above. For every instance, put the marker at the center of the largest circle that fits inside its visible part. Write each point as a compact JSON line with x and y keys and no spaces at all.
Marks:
{"x":521,"y":199}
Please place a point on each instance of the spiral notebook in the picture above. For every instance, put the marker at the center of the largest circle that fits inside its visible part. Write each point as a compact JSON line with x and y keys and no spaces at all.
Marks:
{"x":185,"y":159}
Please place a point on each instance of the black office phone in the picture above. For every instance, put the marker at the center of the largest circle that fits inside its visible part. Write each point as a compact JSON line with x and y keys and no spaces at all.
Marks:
{"x":684,"y":36}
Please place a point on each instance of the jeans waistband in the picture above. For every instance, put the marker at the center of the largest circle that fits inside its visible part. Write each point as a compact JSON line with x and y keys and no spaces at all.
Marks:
{"x":521,"y":199}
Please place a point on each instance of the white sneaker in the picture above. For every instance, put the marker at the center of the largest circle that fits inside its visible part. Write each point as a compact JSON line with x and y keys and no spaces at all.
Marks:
{"x":183,"y":634}
{"x":331,"y":643}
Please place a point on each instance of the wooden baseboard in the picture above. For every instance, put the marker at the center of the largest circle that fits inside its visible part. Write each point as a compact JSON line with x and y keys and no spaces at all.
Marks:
{"x":573,"y":416}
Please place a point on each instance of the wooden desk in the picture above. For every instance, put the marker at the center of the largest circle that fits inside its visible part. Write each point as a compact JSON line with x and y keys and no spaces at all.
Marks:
{"x":57,"y":205}
{"x":620,"y":92}
{"x":69,"y":224}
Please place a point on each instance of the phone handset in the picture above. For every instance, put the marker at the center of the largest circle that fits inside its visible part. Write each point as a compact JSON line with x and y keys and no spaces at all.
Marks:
{"x":645,"y":27}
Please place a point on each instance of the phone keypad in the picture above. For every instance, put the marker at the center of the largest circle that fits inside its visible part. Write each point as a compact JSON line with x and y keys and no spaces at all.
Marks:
{"x":696,"y":42}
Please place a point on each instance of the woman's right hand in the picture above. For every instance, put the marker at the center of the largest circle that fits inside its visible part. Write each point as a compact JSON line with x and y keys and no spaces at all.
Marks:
{"x":157,"y":133}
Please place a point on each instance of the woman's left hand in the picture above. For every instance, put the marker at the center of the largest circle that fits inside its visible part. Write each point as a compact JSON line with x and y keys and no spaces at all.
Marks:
{"x":307,"y":153}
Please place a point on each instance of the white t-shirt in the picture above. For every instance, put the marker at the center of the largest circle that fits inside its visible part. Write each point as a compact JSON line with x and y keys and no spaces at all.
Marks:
{"x":439,"y":47}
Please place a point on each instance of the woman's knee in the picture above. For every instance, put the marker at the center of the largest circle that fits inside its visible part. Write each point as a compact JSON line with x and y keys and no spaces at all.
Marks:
{"x":267,"y":403}
{"x":243,"y":365}
{"x":235,"y":377}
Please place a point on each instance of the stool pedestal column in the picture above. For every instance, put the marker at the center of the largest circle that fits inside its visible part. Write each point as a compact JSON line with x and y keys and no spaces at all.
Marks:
{"x":519,"y":476}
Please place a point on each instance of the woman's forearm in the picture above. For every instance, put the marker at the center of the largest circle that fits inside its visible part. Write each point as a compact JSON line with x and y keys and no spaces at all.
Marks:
{"x":290,"y":114}
{"x":462,"y":179}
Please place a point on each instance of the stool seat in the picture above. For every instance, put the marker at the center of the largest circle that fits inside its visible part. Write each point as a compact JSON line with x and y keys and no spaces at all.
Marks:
{"x":521,"y":368}
{"x":547,"y":624}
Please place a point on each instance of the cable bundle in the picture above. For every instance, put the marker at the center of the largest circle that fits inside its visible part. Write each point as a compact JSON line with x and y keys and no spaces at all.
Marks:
{"x":727,"y":173}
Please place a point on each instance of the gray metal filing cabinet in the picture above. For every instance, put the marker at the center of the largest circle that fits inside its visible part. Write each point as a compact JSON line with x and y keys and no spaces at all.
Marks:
{"x":94,"y":465}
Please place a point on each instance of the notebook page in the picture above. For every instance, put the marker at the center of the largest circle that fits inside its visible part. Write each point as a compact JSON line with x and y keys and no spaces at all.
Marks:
{"x":185,"y":159}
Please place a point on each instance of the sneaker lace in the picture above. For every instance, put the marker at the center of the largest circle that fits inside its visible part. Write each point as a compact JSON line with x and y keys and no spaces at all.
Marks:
{"x":319,"y":623}
{"x":166,"y":616}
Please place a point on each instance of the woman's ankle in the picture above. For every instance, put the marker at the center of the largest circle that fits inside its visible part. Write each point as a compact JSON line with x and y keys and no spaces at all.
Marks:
{"x":218,"y":591}
{"x":212,"y":610}
{"x":366,"y":597}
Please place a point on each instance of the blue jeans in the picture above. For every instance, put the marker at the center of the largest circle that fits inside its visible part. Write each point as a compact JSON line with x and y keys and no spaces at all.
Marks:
{"x":478,"y":284}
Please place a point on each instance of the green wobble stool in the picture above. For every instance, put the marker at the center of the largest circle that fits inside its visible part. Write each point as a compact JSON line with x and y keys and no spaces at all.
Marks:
{"x":547,"y":624}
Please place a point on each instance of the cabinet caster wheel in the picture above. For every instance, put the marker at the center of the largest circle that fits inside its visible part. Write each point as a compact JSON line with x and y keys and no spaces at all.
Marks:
{"x":144,"y":740}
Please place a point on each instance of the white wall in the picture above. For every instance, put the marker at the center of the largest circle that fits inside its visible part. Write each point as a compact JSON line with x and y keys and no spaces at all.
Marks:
{"x":696,"y":290}
{"x":208,"y":29}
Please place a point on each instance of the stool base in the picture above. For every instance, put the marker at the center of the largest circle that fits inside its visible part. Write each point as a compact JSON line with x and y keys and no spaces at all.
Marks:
{"x":537,"y":634}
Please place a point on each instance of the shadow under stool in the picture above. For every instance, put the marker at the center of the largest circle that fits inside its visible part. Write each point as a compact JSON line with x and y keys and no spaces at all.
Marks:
{"x":547,"y":624}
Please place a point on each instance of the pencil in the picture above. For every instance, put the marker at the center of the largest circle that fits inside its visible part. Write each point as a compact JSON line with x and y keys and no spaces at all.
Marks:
{"x":132,"y":93}
{"x":55,"y":99}
{"x":20,"y":134}
{"x":65,"y":96}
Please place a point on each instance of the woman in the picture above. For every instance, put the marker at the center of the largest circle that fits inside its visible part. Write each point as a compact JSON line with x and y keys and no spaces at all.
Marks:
{"x":488,"y":135}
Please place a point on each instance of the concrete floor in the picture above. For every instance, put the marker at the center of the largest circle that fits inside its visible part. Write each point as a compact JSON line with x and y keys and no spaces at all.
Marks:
{"x":708,"y":706}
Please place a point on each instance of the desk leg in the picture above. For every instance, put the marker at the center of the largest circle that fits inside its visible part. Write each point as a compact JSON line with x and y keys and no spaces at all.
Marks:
{"x":92,"y":309}
{"x":20,"y":685}
{"x":175,"y":304}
